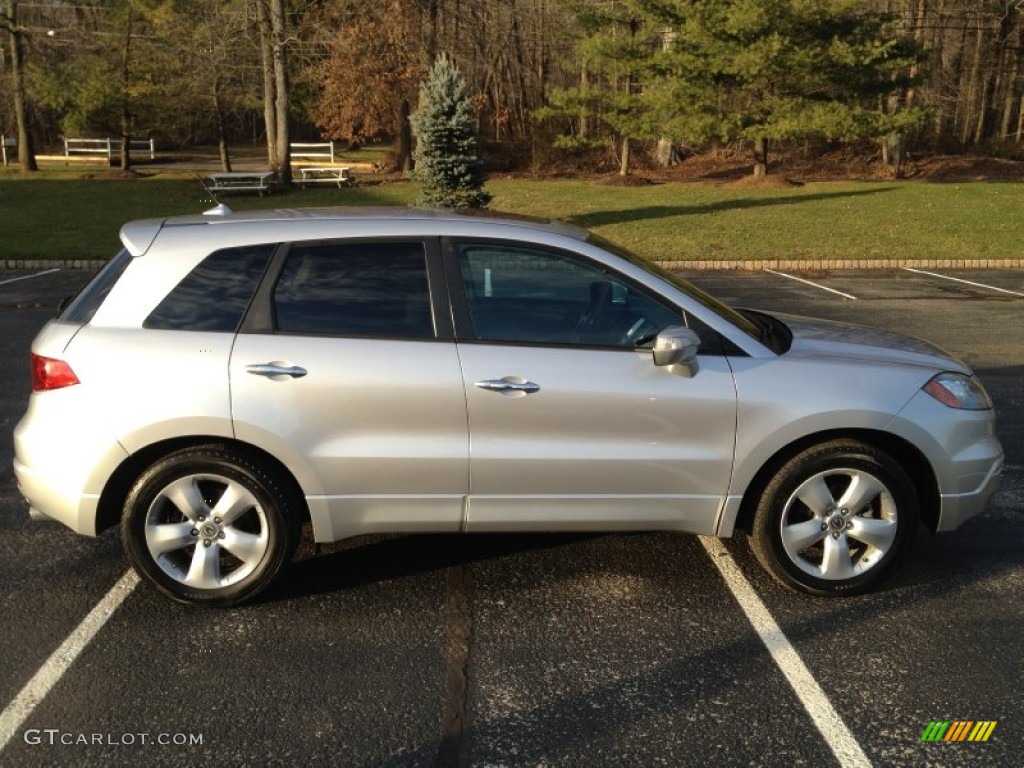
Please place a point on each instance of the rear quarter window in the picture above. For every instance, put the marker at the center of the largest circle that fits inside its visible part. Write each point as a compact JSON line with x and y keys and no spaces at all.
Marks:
{"x":215,"y":294}
{"x":84,"y":305}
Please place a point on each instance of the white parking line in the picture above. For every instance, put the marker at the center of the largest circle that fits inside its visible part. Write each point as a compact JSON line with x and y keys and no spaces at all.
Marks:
{"x":60,"y":661}
{"x":838,"y":737}
{"x":816,"y":285}
{"x":26,"y":277}
{"x":961,"y":280}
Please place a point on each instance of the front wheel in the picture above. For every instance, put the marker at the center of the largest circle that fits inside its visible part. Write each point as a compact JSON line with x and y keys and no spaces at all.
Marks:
{"x":837,"y":519}
{"x":208,"y":526}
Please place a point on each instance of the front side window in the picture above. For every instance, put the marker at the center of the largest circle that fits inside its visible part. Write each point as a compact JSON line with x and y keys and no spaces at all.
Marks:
{"x":525,"y":295}
{"x":214,"y":295}
{"x":355,"y":289}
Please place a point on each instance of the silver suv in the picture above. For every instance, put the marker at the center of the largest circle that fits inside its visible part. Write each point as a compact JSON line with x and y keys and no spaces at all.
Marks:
{"x":226,"y":378}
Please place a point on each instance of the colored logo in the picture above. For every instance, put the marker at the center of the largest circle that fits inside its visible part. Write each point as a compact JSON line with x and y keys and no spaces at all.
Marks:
{"x":959,"y":730}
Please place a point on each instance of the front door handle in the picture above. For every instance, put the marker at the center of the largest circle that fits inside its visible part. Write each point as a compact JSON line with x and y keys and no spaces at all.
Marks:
{"x":272,"y":370}
{"x":509,"y":385}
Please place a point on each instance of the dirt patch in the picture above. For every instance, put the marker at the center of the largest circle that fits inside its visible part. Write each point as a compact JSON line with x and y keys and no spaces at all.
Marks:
{"x":631,"y":180}
{"x":770,"y":181}
{"x":115,"y":175}
{"x":967,"y":168}
{"x":788,"y":166}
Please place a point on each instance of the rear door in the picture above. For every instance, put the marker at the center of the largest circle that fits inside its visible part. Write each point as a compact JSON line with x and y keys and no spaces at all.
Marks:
{"x":572,"y":425}
{"x":346,"y":368}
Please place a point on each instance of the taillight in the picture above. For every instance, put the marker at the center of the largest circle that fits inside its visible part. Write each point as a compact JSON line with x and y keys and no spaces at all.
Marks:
{"x":48,"y":373}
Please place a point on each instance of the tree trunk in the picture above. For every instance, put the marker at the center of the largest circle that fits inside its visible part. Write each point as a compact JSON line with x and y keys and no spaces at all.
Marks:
{"x":1020,"y":121}
{"x":760,"y":158}
{"x":282,"y":103}
{"x":975,"y":97}
{"x":26,"y":152}
{"x":666,"y":153}
{"x":979,"y":129}
{"x":624,"y":160}
{"x":959,"y":81}
{"x":1010,"y":91}
{"x":222,"y":133}
{"x":403,"y":155}
{"x":126,"y":117}
{"x":269,"y":91}
{"x":584,"y":112}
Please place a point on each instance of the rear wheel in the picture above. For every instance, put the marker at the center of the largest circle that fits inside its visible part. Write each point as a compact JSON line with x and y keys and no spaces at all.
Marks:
{"x":209,"y":526}
{"x":838,"y":518}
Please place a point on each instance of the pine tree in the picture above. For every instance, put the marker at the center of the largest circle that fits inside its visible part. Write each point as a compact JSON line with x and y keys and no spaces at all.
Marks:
{"x":615,"y":54}
{"x":447,"y":166}
{"x":781,"y":70}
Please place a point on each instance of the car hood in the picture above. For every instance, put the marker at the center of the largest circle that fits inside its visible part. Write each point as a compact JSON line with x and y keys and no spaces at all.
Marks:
{"x":826,"y":338}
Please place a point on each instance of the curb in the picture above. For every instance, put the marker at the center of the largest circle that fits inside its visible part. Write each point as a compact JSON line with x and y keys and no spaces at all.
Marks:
{"x":52,"y":263}
{"x":802,"y":265}
{"x":798,"y":265}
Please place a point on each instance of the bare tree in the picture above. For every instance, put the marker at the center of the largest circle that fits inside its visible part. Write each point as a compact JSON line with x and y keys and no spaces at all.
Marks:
{"x":276,"y":94}
{"x":26,"y":152}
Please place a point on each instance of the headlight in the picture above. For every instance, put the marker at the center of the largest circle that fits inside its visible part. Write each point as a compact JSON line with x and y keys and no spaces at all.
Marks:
{"x":959,"y":391}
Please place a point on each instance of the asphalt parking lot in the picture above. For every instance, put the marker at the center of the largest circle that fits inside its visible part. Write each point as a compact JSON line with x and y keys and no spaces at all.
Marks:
{"x":533,"y":650}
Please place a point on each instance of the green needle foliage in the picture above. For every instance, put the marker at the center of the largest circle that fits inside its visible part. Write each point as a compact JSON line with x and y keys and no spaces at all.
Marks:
{"x":450,"y":172}
{"x":757,"y":71}
{"x":764,"y":70}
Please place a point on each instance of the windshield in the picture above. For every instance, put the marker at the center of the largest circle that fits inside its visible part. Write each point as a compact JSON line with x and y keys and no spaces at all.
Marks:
{"x":743,"y":322}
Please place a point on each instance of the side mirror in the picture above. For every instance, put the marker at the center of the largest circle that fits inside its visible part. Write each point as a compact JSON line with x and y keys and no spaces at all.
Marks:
{"x":677,"y":347}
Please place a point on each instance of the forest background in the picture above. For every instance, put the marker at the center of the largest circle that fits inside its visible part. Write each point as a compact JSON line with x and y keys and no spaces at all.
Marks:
{"x":588,"y":84}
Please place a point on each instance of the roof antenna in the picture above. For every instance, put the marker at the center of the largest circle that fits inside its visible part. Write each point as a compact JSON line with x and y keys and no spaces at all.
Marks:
{"x":219,"y":209}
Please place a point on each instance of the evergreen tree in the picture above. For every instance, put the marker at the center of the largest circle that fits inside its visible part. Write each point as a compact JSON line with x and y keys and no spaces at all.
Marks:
{"x":771,"y":70}
{"x":614,"y":53}
{"x":447,"y":166}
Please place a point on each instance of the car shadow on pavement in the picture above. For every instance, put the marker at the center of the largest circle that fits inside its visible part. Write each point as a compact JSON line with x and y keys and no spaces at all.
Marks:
{"x":365,"y":560}
{"x":609,"y":716}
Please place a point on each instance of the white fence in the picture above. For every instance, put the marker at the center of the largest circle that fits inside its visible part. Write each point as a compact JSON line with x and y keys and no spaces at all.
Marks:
{"x":322,"y":151}
{"x":108,"y":147}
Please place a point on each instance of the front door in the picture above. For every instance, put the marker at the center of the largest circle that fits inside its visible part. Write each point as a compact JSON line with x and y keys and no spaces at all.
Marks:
{"x":572,"y":425}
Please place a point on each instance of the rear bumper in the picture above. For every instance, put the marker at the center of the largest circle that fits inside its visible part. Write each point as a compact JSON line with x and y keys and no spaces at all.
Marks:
{"x":60,"y":470}
{"x":50,"y":501}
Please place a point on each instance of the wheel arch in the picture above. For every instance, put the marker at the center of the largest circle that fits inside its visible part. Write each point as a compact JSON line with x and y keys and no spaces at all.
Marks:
{"x":112,"y":498}
{"x":905,"y":453}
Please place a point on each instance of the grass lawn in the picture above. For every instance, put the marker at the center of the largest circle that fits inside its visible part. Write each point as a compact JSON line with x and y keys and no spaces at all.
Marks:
{"x":62,"y":216}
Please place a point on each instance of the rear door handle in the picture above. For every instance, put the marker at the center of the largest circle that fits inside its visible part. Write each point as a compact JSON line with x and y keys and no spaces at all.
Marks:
{"x":276,"y":369}
{"x":509,"y":384}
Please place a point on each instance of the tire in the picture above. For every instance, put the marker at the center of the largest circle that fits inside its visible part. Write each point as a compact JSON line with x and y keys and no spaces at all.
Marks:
{"x":837,"y":519}
{"x":209,"y":526}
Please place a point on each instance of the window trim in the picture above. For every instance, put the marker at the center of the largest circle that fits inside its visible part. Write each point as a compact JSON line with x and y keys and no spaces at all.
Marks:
{"x":261,"y":317}
{"x":465,"y":334}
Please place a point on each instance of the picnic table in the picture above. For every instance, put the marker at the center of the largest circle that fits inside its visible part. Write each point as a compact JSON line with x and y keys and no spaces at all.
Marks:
{"x":242,"y":181}
{"x":326,"y":174}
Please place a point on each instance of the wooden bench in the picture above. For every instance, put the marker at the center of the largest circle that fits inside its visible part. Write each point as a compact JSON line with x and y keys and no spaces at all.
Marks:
{"x":315,"y":151}
{"x":242,"y":181}
{"x":339,"y":175}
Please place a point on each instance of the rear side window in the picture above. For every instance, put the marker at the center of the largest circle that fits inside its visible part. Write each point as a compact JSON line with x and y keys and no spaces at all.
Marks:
{"x":84,"y":305}
{"x":355,"y":289}
{"x":214,"y":295}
